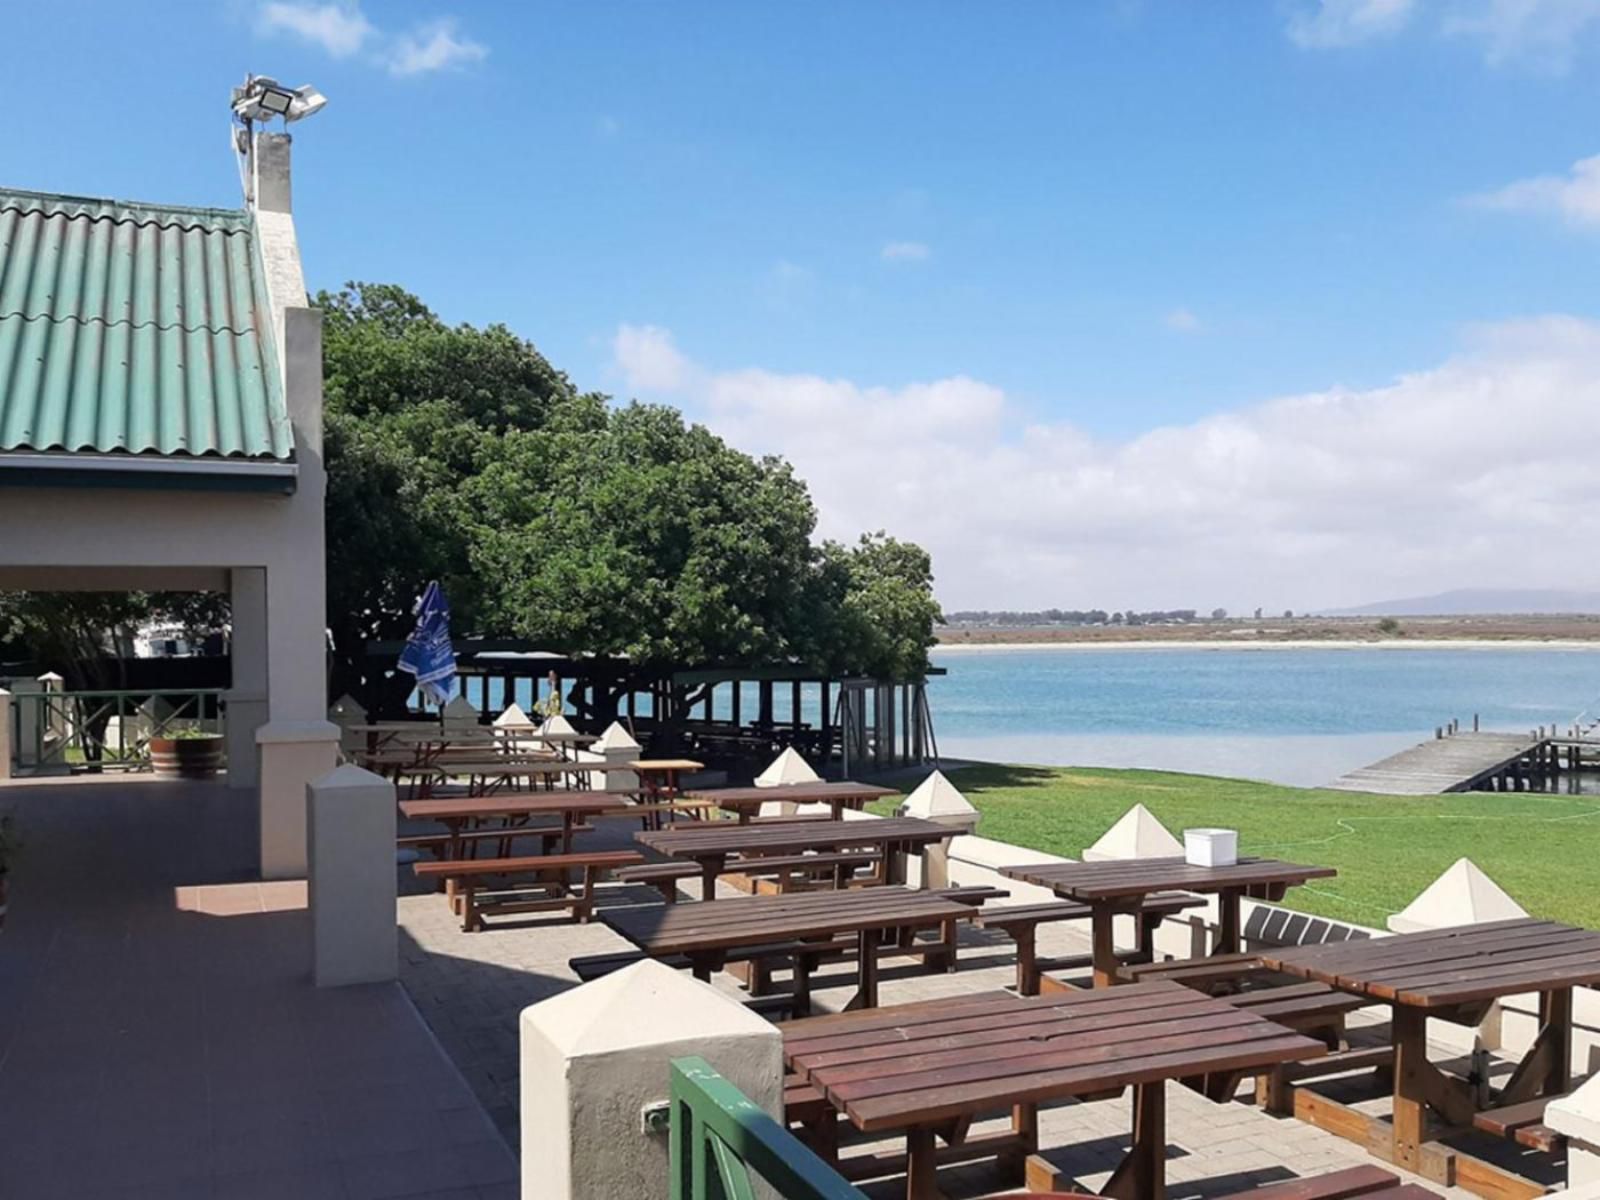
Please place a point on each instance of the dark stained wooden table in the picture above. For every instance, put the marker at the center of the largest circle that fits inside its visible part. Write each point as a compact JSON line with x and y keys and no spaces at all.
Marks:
{"x":839,"y":795}
{"x":713,"y":844}
{"x":456,"y":814}
{"x":931,"y":1068}
{"x":1116,"y":887}
{"x":1454,"y":974}
{"x":705,"y":933}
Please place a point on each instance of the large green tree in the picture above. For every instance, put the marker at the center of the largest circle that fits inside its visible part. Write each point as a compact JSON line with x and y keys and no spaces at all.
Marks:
{"x":461,"y":454}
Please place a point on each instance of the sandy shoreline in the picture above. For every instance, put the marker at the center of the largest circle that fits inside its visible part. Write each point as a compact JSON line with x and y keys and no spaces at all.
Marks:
{"x":1283,"y":644}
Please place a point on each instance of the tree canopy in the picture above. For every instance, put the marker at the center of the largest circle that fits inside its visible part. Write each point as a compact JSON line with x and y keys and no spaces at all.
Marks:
{"x":461,"y":454}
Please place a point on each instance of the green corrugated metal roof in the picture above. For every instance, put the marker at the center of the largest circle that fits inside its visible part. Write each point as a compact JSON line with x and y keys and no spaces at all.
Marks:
{"x":134,"y":328}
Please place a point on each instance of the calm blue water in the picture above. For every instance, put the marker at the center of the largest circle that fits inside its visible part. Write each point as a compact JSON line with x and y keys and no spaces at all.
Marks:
{"x":1295,"y":716}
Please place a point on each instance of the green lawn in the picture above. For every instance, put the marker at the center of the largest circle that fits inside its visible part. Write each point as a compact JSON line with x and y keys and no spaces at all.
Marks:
{"x":1543,"y":849}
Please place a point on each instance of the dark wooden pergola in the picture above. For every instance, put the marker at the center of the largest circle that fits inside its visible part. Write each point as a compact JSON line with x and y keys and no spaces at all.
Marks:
{"x":841,"y":724}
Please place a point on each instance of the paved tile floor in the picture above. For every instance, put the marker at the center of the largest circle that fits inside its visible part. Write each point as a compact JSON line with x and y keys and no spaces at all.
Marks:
{"x":471,"y":988}
{"x":160,"y":1038}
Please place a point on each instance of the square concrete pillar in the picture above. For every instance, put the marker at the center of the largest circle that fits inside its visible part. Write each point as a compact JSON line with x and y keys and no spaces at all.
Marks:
{"x":593,"y":1058}
{"x":1577,"y":1118}
{"x":246,"y":696}
{"x":5,"y":734}
{"x":292,"y":754}
{"x":350,"y":832}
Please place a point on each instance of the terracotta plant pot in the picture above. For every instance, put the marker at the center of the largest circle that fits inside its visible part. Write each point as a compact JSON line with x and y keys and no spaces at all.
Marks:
{"x":187,"y":758}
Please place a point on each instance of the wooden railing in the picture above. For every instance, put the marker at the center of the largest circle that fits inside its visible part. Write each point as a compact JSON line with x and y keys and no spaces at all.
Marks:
{"x":719,"y":1136}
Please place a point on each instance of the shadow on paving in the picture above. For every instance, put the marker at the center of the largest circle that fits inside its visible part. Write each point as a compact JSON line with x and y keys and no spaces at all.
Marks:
{"x":160,"y":1036}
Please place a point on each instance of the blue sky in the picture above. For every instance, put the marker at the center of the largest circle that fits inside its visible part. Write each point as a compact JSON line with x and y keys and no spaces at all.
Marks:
{"x":1109,"y":219}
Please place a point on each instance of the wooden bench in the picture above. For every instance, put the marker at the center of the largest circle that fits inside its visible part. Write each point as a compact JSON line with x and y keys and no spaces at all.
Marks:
{"x":472,"y":838}
{"x":1020,"y":922}
{"x":796,"y":1003}
{"x":1366,"y":1182}
{"x":976,"y":895}
{"x":1219,"y":974}
{"x":466,"y":880}
{"x":664,"y":877}
{"x":1522,"y":1123}
{"x":840,"y":865}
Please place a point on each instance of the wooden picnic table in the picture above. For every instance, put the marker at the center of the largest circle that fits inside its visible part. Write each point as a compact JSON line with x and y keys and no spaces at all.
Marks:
{"x":1118,"y":886}
{"x":1454,"y":974}
{"x":487,"y":776}
{"x":713,"y":844}
{"x":658,"y":781}
{"x":931,"y":1068}
{"x":457,"y":814}
{"x":838,"y":796}
{"x":706,"y":933}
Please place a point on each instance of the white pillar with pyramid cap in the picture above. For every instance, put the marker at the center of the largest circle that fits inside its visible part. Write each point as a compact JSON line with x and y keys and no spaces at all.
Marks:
{"x":346,"y":712}
{"x":558,"y":733}
{"x":596,"y":1058}
{"x":1463,"y":895}
{"x":1577,"y":1118}
{"x":614,"y":749}
{"x":1137,"y":834}
{"x":515,"y":728}
{"x":458,"y":714}
{"x":787,"y":769}
{"x":938,"y":800}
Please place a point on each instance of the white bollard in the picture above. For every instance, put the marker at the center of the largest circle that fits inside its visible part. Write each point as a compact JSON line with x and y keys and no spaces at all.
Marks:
{"x":350,"y":832}
{"x":595,"y":1059}
{"x":5,"y":734}
{"x":1577,"y":1118}
{"x":938,"y":800}
{"x":291,"y":755}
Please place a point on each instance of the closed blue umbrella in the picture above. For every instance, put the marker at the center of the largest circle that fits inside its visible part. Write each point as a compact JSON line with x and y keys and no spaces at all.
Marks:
{"x":428,"y":654}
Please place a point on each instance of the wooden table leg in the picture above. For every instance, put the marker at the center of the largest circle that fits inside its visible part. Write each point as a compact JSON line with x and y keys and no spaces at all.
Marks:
{"x":1410,"y":1091}
{"x":921,"y":1165}
{"x":1142,"y":1175}
{"x":1103,"y":947}
{"x":866,"y":971}
{"x":1027,"y":959}
{"x":710,"y":868}
{"x":1546,"y":1069}
{"x":1228,"y":921}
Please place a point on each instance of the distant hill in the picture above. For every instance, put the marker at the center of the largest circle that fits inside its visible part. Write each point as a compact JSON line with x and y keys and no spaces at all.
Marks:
{"x":1469,"y":602}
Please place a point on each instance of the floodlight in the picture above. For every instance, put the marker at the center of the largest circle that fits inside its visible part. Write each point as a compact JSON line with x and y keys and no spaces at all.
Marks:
{"x":263,"y":98}
{"x":307,"y":100}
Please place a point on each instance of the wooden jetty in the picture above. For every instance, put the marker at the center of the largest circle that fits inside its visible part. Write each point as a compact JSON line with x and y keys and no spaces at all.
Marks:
{"x":1454,"y":763}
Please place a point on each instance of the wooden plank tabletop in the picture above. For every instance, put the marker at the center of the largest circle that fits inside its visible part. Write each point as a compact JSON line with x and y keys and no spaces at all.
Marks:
{"x":661,"y":929}
{"x":470,"y":807}
{"x":647,"y":765}
{"x":502,"y":768}
{"x":794,"y":793}
{"x":1452,"y":966}
{"x":725,"y":837}
{"x":891,"y":1068}
{"x":1140,"y":876}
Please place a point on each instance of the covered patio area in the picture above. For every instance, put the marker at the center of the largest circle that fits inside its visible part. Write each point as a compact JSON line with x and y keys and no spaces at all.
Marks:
{"x":160,"y":1037}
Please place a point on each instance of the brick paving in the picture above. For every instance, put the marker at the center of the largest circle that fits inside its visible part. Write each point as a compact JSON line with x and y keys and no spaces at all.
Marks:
{"x":471,"y":988}
{"x":160,"y":1038}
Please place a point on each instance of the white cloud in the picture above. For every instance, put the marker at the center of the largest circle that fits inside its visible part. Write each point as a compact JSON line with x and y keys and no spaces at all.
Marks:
{"x":432,"y":47}
{"x":649,"y":359}
{"x":904,"y":252}
{"x":343,"y":30}
{"x":340,"y":29}
{"x":1439,"y":479}
{"x":1541,"y":33}
{"x":1182,"y":320}
{"x":1336,"y":23}
{"x":1574,"y":197}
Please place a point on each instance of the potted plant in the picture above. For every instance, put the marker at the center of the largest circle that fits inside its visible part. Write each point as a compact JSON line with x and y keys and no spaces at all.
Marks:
{"x":186,"y":753}
{"x":8,"y":849}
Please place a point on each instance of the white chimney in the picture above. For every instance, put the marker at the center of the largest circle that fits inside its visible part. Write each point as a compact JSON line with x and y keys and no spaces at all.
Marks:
{"x":269,"y":185}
